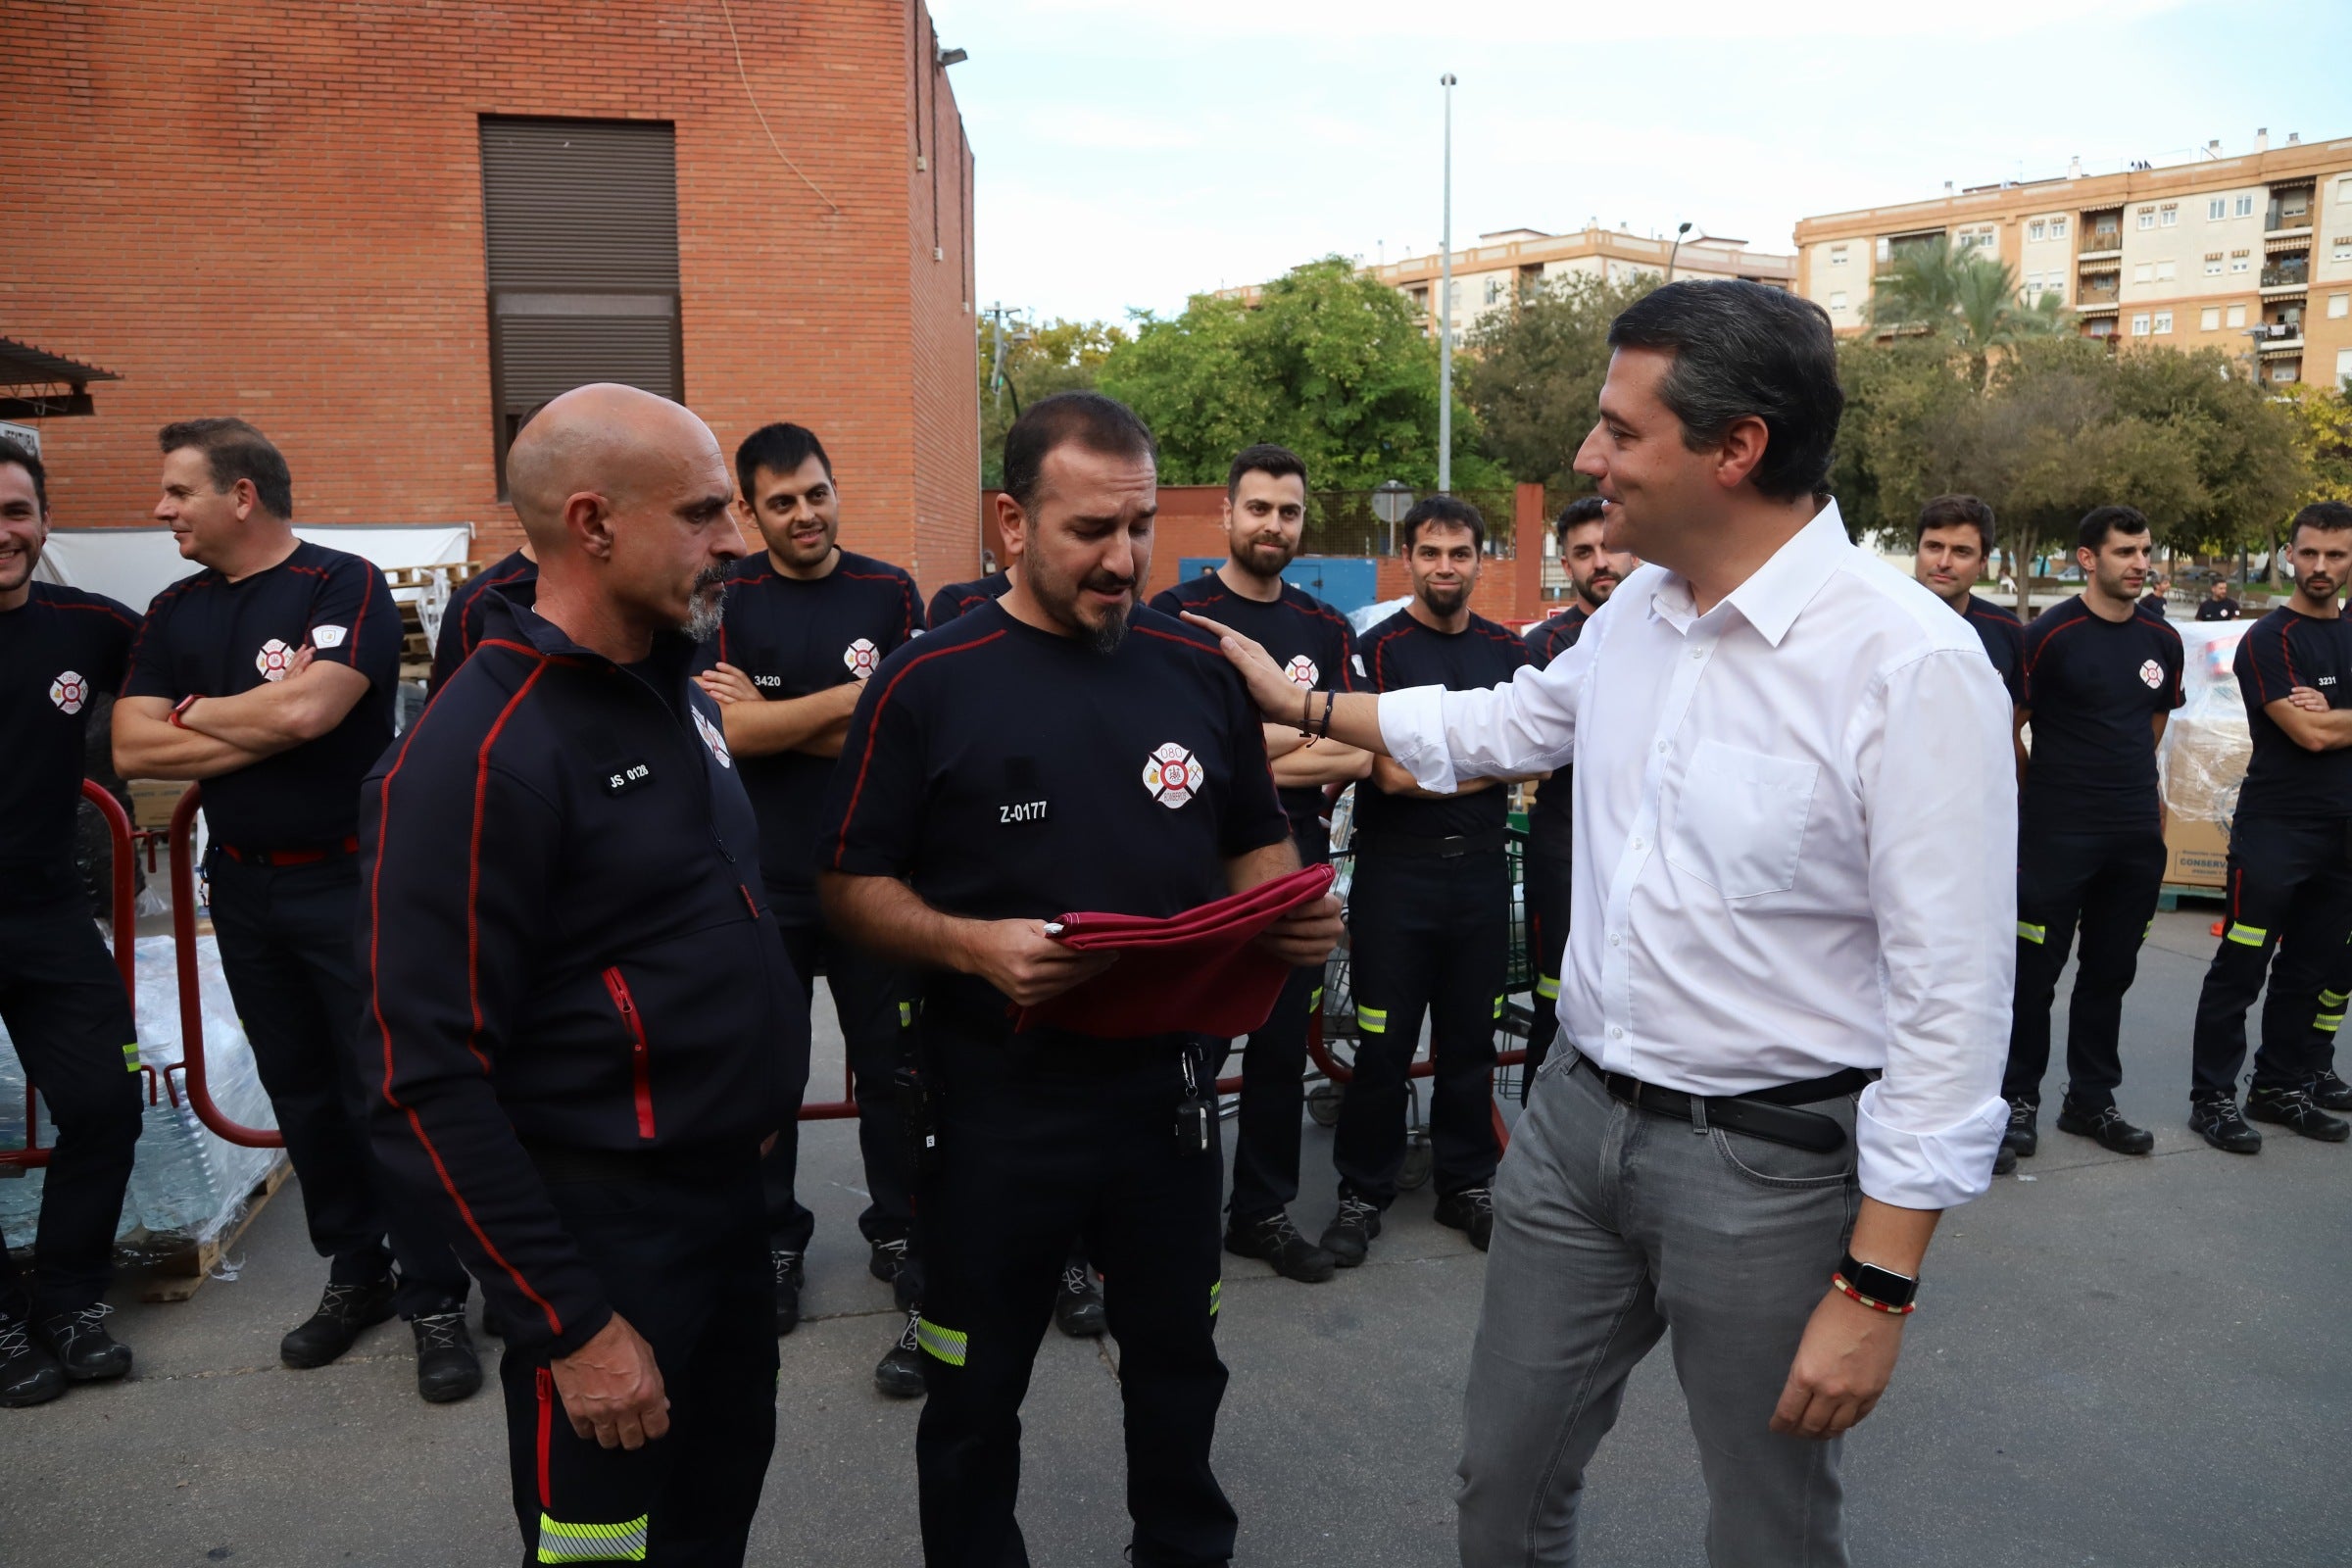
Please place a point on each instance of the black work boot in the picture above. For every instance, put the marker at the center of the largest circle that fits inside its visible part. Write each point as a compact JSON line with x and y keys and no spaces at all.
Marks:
{"x":900,"y":1373}
{"x":790,"y":1272}
{"x":447,"y":1368}
{"x":2106,"y":1126}
{"x":1078,"y":1305}
{"x":29,"y":1373}
{"x":2004,"y":1158}
{"x":82,"y":1346}
{"x":888,"y":1261}
{"x":1470,"y":1211}
{"x":2329,"y":1091}
{"x":2022,"y":1136}
{"x":1349,"y":1236}
{"x":2214,"y":1118}
{"x":2292,"y":1109}
{"x":343,"y":1311}
{"x":1276,"y":1241}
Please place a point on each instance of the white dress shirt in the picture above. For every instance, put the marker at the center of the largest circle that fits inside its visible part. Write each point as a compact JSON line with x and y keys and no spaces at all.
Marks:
{"x":1795,"y":845}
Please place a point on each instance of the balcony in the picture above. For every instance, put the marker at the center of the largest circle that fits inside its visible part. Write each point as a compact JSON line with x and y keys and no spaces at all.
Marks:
{"x":2104,"y":245}
{"x":2088,"y":297}
{"x":2286,"y":277}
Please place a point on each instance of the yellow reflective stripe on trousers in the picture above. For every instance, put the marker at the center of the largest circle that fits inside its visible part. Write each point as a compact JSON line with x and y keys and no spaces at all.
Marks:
{"x":1547,"y":987}
{"x":2329,"y":1022}
{"x":906,"y":1014}
{"x":2334,"y":999}
{"x":2031,"y":933}
{"x":1498,"y":1001}
{"x":1372,"y":1020}
{"x":948,"y":1344}
{"x":1315,"y":999}
{"x":131,"y":1057}
{"x":566,"y":1542}
{"x":1217,"y":1292}
{"x":2250,"y":936}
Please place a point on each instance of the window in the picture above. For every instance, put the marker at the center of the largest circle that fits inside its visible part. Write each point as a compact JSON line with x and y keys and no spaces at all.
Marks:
{"x":2213,"y":263}
{"x":1494,"y":290}
{"x":2147,"y":218}
{"x":1838,"y":299}
{"x":2037,"y":230}
{"x":2032,"y":282}
{"x":2243,"y":207}
{"x":1886,"y":249}
{"x":2343,"y":248}
{"x":1837,"y":255}
{"x":2143,"y":273}
{"x":2210,"y":318}
{"x":2058,"y":225}
{"x":2139,"y":324}
{"x":2238,"y":260}
{"x":2284,"y":369}
{"x":2343,"y":364}
{"x":2168,"y":272}
{"x":2214,"y":207}
{"x":2338,"y":307}
{"x":2237,"y":316}
{"x":2171,"y":216}
{"x":2057,"y":285}
{"x":570,"y":304}
{"x":2163,"y":323}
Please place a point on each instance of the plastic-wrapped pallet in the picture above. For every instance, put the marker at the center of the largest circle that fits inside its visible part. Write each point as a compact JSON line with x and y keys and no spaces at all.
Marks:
{"x":188,"y":1186}
{"x":2202,"y":760}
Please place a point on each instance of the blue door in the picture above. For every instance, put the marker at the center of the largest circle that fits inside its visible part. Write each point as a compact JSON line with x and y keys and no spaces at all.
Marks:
{"x":1344,"y":582}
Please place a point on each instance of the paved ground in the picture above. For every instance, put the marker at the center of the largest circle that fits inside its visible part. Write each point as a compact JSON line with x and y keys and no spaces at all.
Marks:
{"x":2130,"y":1362}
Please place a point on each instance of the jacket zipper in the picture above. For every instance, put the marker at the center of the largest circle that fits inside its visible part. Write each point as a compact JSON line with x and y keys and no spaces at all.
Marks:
{"x":545,"y":1381}
{"x":634,"y":1022}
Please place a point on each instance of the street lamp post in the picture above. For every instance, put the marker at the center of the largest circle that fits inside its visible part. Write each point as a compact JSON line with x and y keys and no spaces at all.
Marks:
{"x":1446,"y":309}
{"x":1675,"y":249}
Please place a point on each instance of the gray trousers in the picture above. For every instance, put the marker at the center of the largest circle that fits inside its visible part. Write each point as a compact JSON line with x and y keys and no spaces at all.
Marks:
{"x":1613,"y":1226}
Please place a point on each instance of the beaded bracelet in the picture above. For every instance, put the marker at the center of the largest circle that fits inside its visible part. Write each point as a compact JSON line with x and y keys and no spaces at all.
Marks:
{"x":1872,"y":1302}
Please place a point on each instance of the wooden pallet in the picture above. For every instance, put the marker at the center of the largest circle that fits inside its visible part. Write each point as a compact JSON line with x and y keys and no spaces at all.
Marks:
{"x":184,"y":1267}
{"x":2167,"y":898}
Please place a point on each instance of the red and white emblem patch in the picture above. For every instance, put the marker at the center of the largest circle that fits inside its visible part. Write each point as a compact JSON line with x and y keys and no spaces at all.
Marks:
{"x":272,"y":660}
{"x":1173,"y":776}
{"x":69,"y":692}
{"x":861,"y":656}
{"x":712,"y":738}
{"x":2153,"y":673}
{"x":1302,"y":673}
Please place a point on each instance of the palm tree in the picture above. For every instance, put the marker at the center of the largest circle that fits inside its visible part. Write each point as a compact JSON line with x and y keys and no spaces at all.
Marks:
{"x":1966,"y":296}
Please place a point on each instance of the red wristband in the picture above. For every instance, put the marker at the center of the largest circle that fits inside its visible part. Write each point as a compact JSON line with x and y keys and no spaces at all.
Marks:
{"x":1872,"y":1302}
{"x":186,"y":703}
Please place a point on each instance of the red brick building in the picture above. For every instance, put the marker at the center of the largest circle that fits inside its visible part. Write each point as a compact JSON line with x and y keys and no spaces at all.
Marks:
{"x":280,"y":209}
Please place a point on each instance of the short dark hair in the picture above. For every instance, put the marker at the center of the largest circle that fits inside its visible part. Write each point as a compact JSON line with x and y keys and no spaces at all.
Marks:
{"x":1741,"y":351}
{"x":24,"y":457}
{"x":1576,"y":513}
{"x":234,"y":450}
{"x":1448,"y":510}
{"x":1266,"y":457}
{"x":1956,"y":512}
{"x":780,"y":449}
{"x":1088,"y":418}
{"x":2100,"y":521}
{"x":2328,"y":516}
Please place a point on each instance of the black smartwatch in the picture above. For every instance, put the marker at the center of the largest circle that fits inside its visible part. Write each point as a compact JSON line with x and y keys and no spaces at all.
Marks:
{"x":1881,"y":1285}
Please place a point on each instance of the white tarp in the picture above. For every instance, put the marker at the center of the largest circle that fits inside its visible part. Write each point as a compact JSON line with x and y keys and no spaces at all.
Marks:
{"x":134,"y":564}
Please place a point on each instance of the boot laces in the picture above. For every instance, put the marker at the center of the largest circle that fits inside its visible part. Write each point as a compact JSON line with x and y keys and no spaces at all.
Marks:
{"x":1356,"y":1211}
{"x":16,"y":1337}
{"x":2021,"y":1113}
{"x":1077,"y":1278}
{"x":906,"y":1336}
{"x":2222,"y":1112}
{"x":339,"y":1299}
{"x":1480,"y":1198}
{"x":786,"y":1263}
{"x":439,"y":1331}
{"x":80,"y":1322}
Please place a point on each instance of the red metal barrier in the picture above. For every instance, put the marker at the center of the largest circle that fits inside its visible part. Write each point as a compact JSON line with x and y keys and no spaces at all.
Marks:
{"x":1339,"y":1072}
{"x":126,"y":960}
{"x":191,"y":996}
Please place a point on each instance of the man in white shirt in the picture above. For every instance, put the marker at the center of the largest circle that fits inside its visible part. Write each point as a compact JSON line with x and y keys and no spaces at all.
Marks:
{"x":1778,"y":741}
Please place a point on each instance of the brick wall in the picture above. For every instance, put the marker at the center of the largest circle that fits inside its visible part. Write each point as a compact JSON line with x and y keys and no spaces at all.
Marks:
{"x":273,"y":209}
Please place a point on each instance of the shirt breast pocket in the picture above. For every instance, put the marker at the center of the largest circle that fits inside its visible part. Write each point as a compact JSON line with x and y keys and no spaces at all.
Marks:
{"x":1740,"y":824}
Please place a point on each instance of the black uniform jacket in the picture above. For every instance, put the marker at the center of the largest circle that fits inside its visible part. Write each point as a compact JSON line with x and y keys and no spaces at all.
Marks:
{"x":565,"y":944}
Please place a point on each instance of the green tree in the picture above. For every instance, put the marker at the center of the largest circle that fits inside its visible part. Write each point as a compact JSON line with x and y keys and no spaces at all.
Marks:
{"x":1534,"y":372}
{"x":1038,"y":361}
{"x":1331,"y":364}
{"x":2322,"y":422}
{"x":2238,"y":437}
{"x":1965,"y":296}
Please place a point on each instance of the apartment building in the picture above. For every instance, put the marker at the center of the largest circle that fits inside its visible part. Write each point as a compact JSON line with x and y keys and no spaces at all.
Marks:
{"x":1489,"y":275}
{"x":2251,"y":255}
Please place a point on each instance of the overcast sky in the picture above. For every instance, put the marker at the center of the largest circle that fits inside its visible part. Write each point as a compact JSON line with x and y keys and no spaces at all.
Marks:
{"x":1133,"y":152}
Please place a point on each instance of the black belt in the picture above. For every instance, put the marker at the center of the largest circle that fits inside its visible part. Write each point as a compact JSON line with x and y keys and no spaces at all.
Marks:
{"x":1772,"y":1114}
{"x":560,"y":1164}
{"x":1412,"y":845}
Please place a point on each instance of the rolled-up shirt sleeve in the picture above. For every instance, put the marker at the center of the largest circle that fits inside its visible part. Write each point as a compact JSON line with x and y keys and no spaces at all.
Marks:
{"x":1940,"y":800}
{"x":1525,"y":726}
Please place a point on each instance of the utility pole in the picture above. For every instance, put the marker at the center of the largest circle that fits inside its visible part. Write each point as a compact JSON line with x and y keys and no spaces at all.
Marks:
{"x":1445,"y":310}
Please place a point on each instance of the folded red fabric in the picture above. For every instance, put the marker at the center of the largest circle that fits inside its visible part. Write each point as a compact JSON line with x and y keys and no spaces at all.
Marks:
{"x":1199,"y":972}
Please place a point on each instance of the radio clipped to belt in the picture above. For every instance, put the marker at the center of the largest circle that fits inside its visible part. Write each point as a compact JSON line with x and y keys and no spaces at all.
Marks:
{"x":1195,"y":1117}
{"x":914,"y":1087}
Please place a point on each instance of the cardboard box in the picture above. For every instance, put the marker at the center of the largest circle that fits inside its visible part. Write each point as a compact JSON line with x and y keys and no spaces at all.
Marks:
{"x":153,"y":799}
{"x":2196,"y":853}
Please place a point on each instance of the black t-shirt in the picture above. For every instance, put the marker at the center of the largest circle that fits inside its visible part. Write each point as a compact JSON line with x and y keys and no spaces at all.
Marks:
{"x":1549,"y":822}
{"x":1399,"y":653}
{"x":2224,"y":608}
{"x":959,"y":596}
{"x":795,"y":637}
{"x":208,"y":637}
{"x":2093,"y":686}
{"x":2282,"y":651}
{"x":461,"y":616}
{"x":59,"y":651}
{"x":2004,"y":641}
{"x":1006,"y":773}
{"x":1311,"y":641}
{"x":2153,"y":605}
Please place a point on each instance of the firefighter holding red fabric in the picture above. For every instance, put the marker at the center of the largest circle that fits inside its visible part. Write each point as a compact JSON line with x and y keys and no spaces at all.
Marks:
{"x":558,"y":864}
{"x":1130,"y":777}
